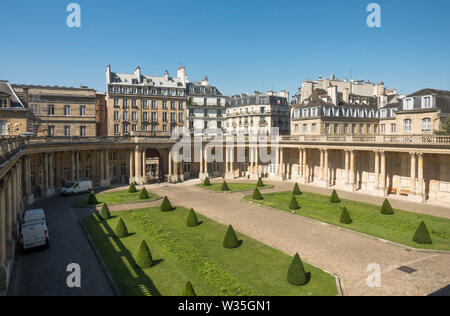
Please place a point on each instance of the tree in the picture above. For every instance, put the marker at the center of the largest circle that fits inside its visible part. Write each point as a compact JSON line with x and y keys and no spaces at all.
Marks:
{"x":144,"y":257}
{"x":104,"y":212}
{"x":260,"y":183}
{"x":296,"y":274}
{"x":386,"y":209}
{"x":225,"y":186}
{"x":92,"y":200}
{"x":257,"y":195}
{"x":231,"y":241}
{"x":121,"y":230}
{"x":206,"y":183}
{"x":293,"y":205}
{"x":143,"y":195}
{"x":422,"y":236}
{"x":445,"y":128}
{"x":188,"y":290}
{"x":165,"y":205}
{"x":345,"y":217}
{"x":132,"y":188}
{"x":334,"y":197}
{"x":296,"y":190}
{"x":192,"y":219}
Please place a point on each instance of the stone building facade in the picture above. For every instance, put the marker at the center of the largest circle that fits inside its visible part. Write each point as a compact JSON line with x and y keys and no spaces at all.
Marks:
{"x":60,"y":111}
{"x":15,"y":119}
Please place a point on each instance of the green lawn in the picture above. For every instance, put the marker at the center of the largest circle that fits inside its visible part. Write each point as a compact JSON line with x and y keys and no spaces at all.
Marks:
{"x":117,"y":197}
{"x":399,"y":228}
{"x":234,"y":187}
{"x":196,"y":255}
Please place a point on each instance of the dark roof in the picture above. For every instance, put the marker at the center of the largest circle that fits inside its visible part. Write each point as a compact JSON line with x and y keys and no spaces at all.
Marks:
{"x":428,"y":91}
{"x":6,"y":88}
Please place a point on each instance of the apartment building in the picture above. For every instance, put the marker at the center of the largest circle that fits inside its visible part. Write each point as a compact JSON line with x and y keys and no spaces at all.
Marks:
{"x":206,"y":108}
{"x":258,"y":113}
{"x":14,"y":116}
{"x":145,"y":105}
{"x":60,"y":111}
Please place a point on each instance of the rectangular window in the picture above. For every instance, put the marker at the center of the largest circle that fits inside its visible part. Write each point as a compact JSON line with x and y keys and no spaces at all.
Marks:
{"x":125,"y":116}
{"x":154,"y":105}
{"x":427,"y":102}
{"x":393,"y":128}
{"x":82,"y":110}
{"x":426,"y":124}
{"x":126,"y":129}
{"x":66,"y":130}
{"x":407,"y":126}
{"x":133,"y":103}
{"x":172,"y":117}
{"x":116,"y":103}
{"x":336,"y":128}
{"x":51,"y":130}
{"x":51,"y":110}
{"x":116,"y":116}
{"x":145,"y":116}
{"x":327,"y":128}
{"x":305,"y":128}
{"x":345,"y":128}
{"x":134,"y":127}
{"x":383,"y":128}
{"x":164,"y":128}
{"x":154,"y":116}
{"x":83,"y":131}
{"x":125,"y":103}
{"x":134,"y":116}
{"x":66,"y":110}
{"x":145,"y":104}
{"x":116,"y":129}
{"x":180,"y":117}
{"x":313,"y":127}
{"x":164,"y":117}
{"x":164,"y":105}
{"x":180,"y":105}
{"x":172,"y":105}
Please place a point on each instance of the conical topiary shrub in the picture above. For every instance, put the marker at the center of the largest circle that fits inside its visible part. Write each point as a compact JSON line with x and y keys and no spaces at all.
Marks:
{"x":296,"y":190}
{"x":192,"y":219}
{"x":422,"y":236}
{"x":165,"y":205}
{"x":206,"y":183}
{"x":132,"y":188}
{"x":231,"y":241}
{"x":257,"y":195}
{"x":260,"y":183}
{"x":345,"y":217}
{"x":386,"y":209}
{"x":296,"y":274}
{"x":104,"y":212}
{"x":188,"y":290}
{"x":334,"y":197}
{"x":225,"y":186}
{"x":144,"y":257}
{"x":121,"y":230}
{"x":92,"y":200}
{"x":143,"y":195}
{"x":293,"y":205}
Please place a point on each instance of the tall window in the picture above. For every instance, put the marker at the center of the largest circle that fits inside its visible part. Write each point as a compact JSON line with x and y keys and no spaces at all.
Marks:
{"x":172,"y":117}
{"x":116,"y":116}
{"x":426,"y":102}
{"x":164,"y":105}
{"x":51,"y":130}
{"x":426,"y":125}
{"x":82,"y":110}
{"x":67,"y":110}
{"x":125,"y":116}
{"x":83,"y":131}
{"x":407,"y":125}
{"x":116,"y":129}
{"x":408,"y":105}
{"x":145,"y":116}
{"x":51,"y":110}
{"x":180,"y":117}
{"x":66,"y":130}
{"x":145,"y":104}
{"x":134,"y":116}
{"x":154,"y":106}
{"x":116,"y":103}
{"x":393,"y":128}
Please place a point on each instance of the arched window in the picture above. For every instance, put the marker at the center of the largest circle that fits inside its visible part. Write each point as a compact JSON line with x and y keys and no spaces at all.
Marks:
{"x":407,"y":126}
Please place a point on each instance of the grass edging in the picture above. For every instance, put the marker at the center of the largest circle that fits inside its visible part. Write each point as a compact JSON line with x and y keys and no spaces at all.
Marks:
{"x":353,"y":231}
{"x":105,"y":269}
{"x":231,"y":192}
{"x":125,"y":203}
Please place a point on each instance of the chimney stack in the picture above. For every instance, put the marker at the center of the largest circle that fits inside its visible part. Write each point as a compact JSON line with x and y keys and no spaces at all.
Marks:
{"x":332,"y":92}
{"x":205,"y":82}
{"x":108,"y":74}
{"x":166,"y":75}
{"x":307,"y":89}
{"x":137,"y":73}
{"x":346,"y":95}
{"x":182,"y":74}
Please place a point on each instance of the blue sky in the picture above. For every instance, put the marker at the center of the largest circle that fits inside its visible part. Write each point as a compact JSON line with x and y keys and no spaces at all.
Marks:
{"x":241,"y":45}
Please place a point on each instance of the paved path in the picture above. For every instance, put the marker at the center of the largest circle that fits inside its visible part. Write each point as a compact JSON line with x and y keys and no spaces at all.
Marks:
{"x":43,"y":272}
{"x":344,"y":253}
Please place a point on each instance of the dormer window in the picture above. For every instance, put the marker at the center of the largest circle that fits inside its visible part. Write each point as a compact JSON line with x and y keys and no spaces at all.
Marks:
{"x":3,"y":102}
{"x":383,"y":113}
{"x":426,"y":102}
{"x":408,"y":104}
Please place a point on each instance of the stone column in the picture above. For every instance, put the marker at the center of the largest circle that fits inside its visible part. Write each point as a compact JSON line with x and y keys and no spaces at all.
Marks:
{"x":8,"y":218}
{"x":102,"y":166}
{"x":305,"y":166}
{"x":131,"y":166}
{"x":170,"y":165}
{"x":347,"y":167}
{"x":413,"y":174}
{"x":321,"y":164}
{"x":377,"y":170}
{"x":107,"y":173}
{"x":144,"y":164}
{"x":281,"y":163}
{"x":325,"y":166}
{"x":28,"y":175}
{"x":175,"y":167}
{"x":420,"y":177}
{"x":257,"y":160}
{"x":201,"y":161}
{"x":383,"y":173}
{"x":137,"y":164}
{"x":206,"y":161}
{"x":51,"y":177}
{"x":78,"y":165}
{"x":227,"y":158}
{"x":352,"y":169}
{"x":300,"y":162}
{"x":3,"y":272}
{"x":45,"y":171}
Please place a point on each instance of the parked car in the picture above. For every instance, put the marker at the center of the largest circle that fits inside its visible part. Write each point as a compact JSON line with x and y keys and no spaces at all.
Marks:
{"x":33,"y":216}
{"x":34,"y":234}
{"x":77,"y":188}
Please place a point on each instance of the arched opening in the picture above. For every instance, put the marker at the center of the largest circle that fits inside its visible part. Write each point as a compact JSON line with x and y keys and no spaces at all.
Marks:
{"x":153,"y":166}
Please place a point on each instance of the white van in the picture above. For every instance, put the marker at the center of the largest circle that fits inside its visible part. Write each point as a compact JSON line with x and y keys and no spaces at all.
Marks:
{"x":33,"y":216}
{"x":34,"y":234}
{"x":77,"y":188}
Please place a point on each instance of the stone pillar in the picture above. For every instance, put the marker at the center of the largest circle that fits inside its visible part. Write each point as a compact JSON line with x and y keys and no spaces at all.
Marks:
{"x":201,"y":162}
{"x":383,"y":173}
{"x":326,"y":171}
{"x":175,"y":167}
{"x":347,"y":167}
{"x":305,"y":167}
{"x":45,"y":172}
{"x":78,"y":165}
{"x":107,"y":173}
{"x":352,"y":170}
{"x":144,"y":165}
{"x":377,"y":170}
{"x":281,"y":165}
{"x":131,"y":166}
{"x":206,"y":161}
{"x":227,"y":158}
{"x":413,"y":174}
{"x":170,"y":165}
{"x":102,"y":165}
{"x":51,"y":177}
{"x":321,"y":164}
{"x":8,"y":218}
{"x":3,"y":271}
{"x":420,"y":177}
{"x":300,"y":162}
{"x":72,"y":157}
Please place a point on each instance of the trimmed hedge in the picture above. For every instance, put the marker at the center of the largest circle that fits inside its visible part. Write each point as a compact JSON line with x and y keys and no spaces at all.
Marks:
{"x":334,"y":197}
{"x":296,"y":273}
{"x":144,"y":257}
{"x":192,"y":220}
{"x":293,"y":205}
{"x":257,"y":195}
{"x":345,"y":217}
{"x":143,"y":195}
{"x":260,"y":183}
{"x":188,"y":290}
{"x":225,"y":186}
{"x":121,"y":230}
{"x":206,"y":183}
{"x":132,"y":188}
{"x":231,"y":241}
{"x":422,"y":236}
{"x":92,"y":200}
{"x":296,"y":190}
{"x":386,"y":209}
{"x":104,"y":212}
{"x":165,"y":205}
